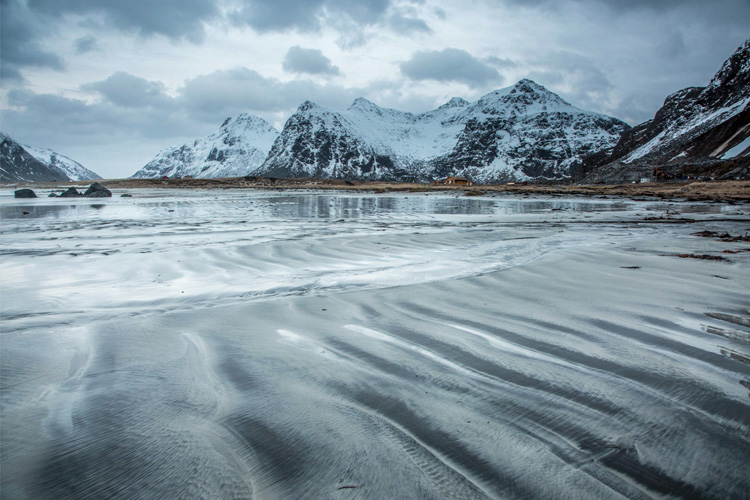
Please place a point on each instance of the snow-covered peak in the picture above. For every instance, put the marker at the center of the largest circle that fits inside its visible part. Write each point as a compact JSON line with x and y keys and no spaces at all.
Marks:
{"x":365,"y":104}
{"x":524,"y":98}
{"x":455,"y":102}
{"x":307,"y":106}
{"x":736,"y":69}
{"x":247,"y":125}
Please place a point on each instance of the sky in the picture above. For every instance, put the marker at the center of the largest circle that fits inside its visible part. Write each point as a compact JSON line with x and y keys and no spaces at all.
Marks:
{"x":110,"y":83}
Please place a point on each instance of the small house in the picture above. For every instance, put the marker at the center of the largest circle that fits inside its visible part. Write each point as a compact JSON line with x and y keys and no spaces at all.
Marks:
{"x":458,"y":181}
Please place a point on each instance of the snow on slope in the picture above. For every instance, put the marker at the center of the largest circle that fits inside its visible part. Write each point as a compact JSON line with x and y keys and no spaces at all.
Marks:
{"x":238,"y":147}
{"x":71,"y":168}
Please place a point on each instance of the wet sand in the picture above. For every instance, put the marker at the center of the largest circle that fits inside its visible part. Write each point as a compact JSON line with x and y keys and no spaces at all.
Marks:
{"x":256,"y":344}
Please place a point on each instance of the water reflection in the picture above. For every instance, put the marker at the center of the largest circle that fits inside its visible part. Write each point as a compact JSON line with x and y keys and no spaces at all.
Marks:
{"x":41,"y":211}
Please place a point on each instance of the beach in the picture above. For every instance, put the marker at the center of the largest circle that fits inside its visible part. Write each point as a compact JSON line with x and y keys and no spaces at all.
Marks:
{"x":334,"y":342}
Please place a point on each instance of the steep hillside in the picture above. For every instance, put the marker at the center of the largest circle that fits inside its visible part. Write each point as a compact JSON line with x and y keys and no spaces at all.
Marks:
{"x":71,"y":168}
{"x":237,"y":148}
{"x":18,"y":165}
{"x":696,"y":124}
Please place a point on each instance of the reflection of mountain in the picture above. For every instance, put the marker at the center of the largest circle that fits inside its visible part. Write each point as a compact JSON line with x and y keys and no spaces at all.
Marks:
{"x":520,"y":132}
{"x":29,"y":164}
{"x":238,"y":147}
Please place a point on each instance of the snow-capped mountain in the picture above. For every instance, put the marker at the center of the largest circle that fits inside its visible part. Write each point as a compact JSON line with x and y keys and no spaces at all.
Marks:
{"x":29,"y":164}
{"x":516,"y":133}
{"x":237,"y":148}
{"x":71,"y":168}
{"x":696,"y":122}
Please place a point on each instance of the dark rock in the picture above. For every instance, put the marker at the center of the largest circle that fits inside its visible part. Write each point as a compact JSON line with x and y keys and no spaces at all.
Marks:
{"x":70,"y":193}
{"x":96,"y":190}
{"x":126,"y":195}
{"x":52,"y":195}
{"x":24,"y":193}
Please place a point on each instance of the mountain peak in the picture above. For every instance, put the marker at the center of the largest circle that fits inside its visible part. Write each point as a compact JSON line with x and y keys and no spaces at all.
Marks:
{"x":455,"y":102}
{"x":529,"y":86}
{"x":735,"y":72}
{"x":360,"y":103}
{"x":307,"y":106}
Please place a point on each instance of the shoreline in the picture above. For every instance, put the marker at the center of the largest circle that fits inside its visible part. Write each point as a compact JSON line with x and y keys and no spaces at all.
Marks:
{"x":720,"y":191}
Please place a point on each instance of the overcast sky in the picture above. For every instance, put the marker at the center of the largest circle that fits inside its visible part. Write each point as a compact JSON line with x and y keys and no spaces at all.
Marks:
{"x":112,"y":82}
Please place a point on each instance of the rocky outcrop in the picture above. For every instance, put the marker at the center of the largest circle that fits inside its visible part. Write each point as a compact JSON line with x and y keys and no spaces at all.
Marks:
{"x":24,"y":193}
{"x":95,"y":190}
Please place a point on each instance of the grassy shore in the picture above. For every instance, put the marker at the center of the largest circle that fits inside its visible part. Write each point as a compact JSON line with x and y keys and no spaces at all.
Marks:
{"x":692,"y":191}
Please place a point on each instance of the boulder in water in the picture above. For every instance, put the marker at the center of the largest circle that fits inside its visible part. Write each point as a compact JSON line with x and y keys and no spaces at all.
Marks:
{"x":70,"y":193}
{"x":24,"y":193}
{"x":96,"y":190}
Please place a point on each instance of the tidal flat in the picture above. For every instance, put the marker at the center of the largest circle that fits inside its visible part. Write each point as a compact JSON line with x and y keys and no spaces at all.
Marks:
{"x":300,"y":344}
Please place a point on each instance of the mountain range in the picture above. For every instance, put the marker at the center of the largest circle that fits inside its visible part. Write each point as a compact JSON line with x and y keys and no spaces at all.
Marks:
{"x":517,"y":133}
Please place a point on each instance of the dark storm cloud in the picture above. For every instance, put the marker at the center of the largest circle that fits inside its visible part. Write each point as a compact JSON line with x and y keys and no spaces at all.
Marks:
{"x":305,"y":15}
{"x":20,"y":33}
{"x":175,"y":19}
{"x":450,"y":65}
{"x":311,"y":61}
{"x":86,"y":44}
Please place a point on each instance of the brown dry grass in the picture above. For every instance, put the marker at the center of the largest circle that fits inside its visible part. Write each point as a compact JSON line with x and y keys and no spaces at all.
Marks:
{"x":691,"y":191}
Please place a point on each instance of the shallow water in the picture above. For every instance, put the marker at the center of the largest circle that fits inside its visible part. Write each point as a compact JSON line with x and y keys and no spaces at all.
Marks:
{"x":252,"y":344}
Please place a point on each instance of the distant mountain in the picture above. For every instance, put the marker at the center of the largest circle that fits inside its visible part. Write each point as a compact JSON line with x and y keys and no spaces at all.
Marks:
{"x":517,"y":133}
{"x":237,"y":148}
{"x":28,"y":164}
{"x":71,"y":168}
{"x":696,"y":123}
